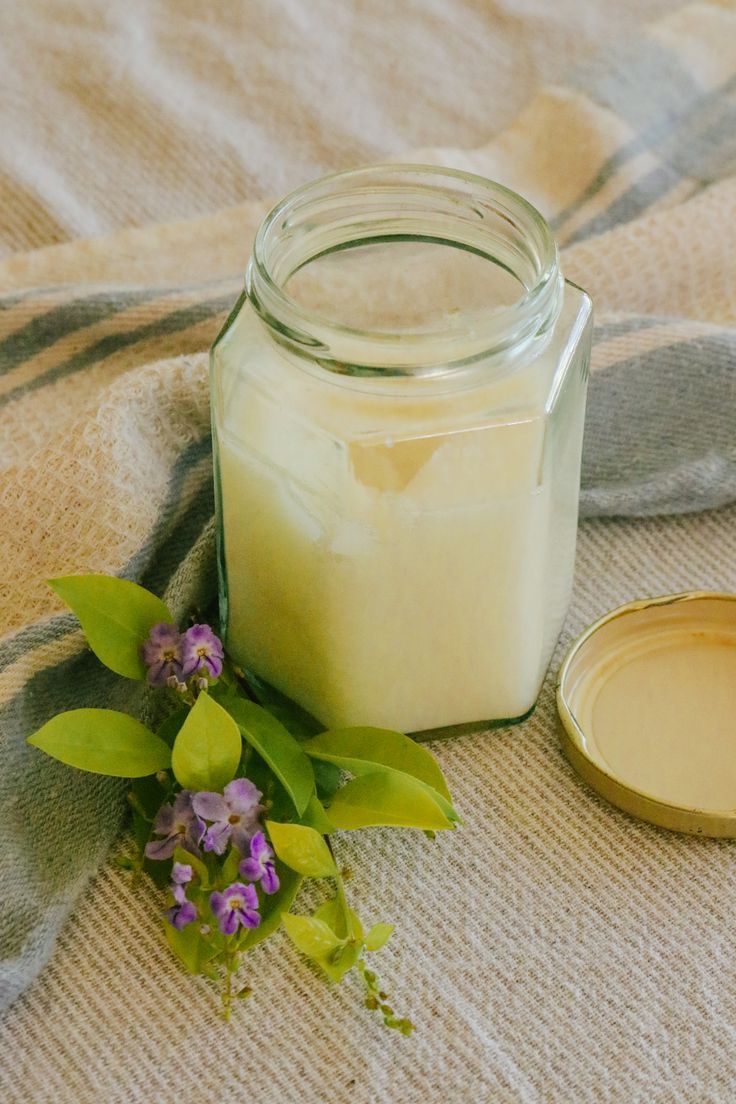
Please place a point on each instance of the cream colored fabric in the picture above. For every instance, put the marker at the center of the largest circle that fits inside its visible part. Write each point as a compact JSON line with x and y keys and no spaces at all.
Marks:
{"x":122,"y":112}
{"x":553,"y":950}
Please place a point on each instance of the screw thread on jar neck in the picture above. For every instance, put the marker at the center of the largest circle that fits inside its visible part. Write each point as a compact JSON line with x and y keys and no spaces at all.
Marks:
{"x":408,"y":203}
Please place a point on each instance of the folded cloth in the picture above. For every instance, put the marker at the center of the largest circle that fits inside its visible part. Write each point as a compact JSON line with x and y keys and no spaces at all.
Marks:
{"x":104,"y":423}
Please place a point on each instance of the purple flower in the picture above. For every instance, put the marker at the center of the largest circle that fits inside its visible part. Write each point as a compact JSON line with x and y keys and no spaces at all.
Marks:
{"x":201,"y":652}
{"x":180,"y":827}
{"x":182,"y":912}
{"x":237,"y":905}
{"x":162,"y":654}
{"x":260,"y":866}
{"x":181,"y":873}
{"x":234,"y":813}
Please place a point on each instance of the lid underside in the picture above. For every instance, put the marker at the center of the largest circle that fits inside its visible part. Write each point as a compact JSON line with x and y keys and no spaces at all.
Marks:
{"x":647,"y":697}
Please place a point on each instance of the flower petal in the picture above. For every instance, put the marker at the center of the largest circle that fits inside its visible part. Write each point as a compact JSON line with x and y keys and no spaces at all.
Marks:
{"x":210,"y":806}
{"x":216,"y":837}
{"x":181,"y":873}
{"x":259,"y":849}
{"x":242,"y":835}
{"x":164,"y":822}
{"x":270,"y":879}
{"x":242,"y":795}
{"x":183,"y":805}
{"x":250,"y":869}
{"x":161,"y":849}
{"x":213,"y":666}
{"x":195,"y":834}
{"x":199,"y":635}
{"x":248,"y":893}
{"x":158,"y":673}
{"x":181,"y":915}
{"x":165,"y":635}
{"x":189,"y":665}
{"x":187,"y":913}
{"x":229,"y":922}
{"x":152,"y":653}
{"x":217,"y":903}
{"x":250,"y":918}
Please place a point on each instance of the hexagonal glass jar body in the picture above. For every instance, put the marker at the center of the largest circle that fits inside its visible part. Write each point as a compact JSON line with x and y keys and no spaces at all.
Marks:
{"x":398,"y":405}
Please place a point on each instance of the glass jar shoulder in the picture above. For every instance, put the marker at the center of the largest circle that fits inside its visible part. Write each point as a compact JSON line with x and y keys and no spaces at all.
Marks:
{"x":247,"y":358}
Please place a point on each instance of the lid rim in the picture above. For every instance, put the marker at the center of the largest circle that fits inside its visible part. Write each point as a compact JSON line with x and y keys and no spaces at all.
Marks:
{"x":716,"y":823}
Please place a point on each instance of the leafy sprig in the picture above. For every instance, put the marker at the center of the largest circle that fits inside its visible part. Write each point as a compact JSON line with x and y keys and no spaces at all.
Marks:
{"x":236,"y":797}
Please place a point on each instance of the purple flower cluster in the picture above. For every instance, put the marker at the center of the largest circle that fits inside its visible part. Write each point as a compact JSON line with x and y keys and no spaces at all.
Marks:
{"x":237,"y":905}
{"x":233,"y":814}
{"x":233,"y":819}
{"x":259,"y":867}
{"x":183,"y":911}
{"x":179,"y":826}
{"x":173,"y":657}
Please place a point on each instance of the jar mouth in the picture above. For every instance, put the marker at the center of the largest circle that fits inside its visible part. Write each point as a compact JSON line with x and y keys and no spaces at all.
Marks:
{"x":407,"y":203}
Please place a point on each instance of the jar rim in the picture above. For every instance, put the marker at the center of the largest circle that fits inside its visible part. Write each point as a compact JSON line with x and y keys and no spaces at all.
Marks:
{"x":480,"y":209}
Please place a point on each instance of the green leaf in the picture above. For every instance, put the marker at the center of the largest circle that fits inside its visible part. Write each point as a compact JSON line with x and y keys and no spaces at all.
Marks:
{"x":169,"y":729}
{"x":159,"y":872}
{"x":386,"y":797}
{"x":148,"y":794}
{"x":223,"y":692}
{"x":316,"y":817}
{"x":378,"y":936}
{"x":198,"y":867}
{"x":366,"y":750}
{"x":207,"y":748}
{"x":327,"y":777}
{"x":332,"y":914}
{"x":273,"y":908}
{"x":301,"y":848}
{"x":277,"y":747}
{"x":102,"y":741}
{"x":230,"y":872}
{"x":312,"y":937}
{"x":145,"y":797}
{"x":337,"y":962}
{"x":190,"y":947}
{"x":116,"y":616}
{"x":300,"y":724}
{"x":276,"y":800}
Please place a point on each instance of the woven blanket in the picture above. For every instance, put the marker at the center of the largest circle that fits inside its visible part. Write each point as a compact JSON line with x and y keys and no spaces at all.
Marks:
{"x":554,"y":950}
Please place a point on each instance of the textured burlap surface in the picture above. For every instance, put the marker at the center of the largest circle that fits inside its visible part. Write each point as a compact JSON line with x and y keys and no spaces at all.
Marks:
{"x":554,"y":949}
{"x":124,"y":112}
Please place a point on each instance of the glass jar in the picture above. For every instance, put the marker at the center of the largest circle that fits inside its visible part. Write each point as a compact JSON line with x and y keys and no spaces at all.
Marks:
{"x":398,"y":403}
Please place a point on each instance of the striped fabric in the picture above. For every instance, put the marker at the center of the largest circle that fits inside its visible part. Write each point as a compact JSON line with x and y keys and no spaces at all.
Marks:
{"x":104,"y":422}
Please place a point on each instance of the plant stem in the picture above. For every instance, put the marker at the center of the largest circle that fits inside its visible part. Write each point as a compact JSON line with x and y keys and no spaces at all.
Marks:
{"x":137,"y":870}
{"x":227,"y":992}
{"x":341,"y":898}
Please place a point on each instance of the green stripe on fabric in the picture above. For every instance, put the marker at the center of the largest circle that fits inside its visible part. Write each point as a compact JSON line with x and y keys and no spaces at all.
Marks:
{"x":660,"y":430}
{"x":704,"y":153}
{"x":605,"y":331}
{"x":671,"y":133}
{"x":47,"y":328}
{"x":175,"y":322}
{"x":639,"y":79}
{"x":82,"y":311}
{"x":629,"y":205}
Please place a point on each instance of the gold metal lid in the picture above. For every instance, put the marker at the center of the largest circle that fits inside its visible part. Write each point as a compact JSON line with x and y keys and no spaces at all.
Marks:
{"x":647,"y":700}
